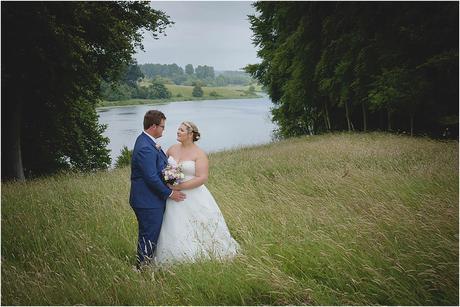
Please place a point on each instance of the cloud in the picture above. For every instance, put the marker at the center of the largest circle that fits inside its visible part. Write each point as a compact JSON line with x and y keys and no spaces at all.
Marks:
{"x":214,"y":33}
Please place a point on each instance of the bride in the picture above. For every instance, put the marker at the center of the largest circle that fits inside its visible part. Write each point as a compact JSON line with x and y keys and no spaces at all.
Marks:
{"x":194,"y":228}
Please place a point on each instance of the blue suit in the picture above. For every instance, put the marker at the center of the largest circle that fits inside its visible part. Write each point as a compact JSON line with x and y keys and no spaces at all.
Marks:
{"x":148,"y":193}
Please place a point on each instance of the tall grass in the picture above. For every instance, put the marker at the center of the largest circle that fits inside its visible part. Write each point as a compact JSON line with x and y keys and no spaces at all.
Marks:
{"x":340,"y":219}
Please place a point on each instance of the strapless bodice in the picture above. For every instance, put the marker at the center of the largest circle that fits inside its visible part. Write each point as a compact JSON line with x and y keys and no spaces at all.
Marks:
{"x":188,"y":169}
{"x":187,"y":166}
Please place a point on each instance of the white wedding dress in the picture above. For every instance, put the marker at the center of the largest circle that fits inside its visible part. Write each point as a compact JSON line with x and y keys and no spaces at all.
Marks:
{"x":195,"y":228}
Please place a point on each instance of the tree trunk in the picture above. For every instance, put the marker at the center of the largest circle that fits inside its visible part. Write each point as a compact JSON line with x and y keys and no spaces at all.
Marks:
{"x":381,"y":119}
{"x":348,"y":117}
{"x":389,"y":120}
{"x":12,"y":162}
{"x":327,"y":120}
{"x":412,"y":125}
{"x":364,"y":117}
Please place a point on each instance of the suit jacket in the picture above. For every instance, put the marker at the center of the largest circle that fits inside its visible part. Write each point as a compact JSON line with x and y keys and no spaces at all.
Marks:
{"x":147,"y":188}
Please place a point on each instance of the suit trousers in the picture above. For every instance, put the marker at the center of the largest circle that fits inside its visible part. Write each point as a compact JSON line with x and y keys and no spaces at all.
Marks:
{"x":149,"y":221}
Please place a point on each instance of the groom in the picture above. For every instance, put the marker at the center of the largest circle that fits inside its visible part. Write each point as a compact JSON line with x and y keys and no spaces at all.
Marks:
{"x":148,"y":192}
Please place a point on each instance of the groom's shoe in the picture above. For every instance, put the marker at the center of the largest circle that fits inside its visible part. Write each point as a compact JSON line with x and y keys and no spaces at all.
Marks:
{"x":139,"y":267}
{"x":136,"y":268}
{"x":142,"y":266}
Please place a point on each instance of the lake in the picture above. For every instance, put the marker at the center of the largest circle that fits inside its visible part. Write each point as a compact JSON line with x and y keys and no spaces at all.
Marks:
{"x":223,"y":124}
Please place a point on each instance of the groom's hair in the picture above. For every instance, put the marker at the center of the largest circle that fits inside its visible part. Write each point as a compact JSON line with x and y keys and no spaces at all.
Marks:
{"x":153,"y":117}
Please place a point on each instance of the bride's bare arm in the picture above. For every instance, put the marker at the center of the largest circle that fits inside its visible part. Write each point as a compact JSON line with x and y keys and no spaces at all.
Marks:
{"x":201,"y":174}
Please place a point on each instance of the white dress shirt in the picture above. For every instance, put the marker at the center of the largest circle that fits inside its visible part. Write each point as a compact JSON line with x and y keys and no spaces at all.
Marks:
{"x":153,"y":139}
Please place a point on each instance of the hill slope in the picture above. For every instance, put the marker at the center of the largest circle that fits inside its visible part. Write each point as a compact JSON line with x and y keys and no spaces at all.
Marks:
{"x":356,"y":219}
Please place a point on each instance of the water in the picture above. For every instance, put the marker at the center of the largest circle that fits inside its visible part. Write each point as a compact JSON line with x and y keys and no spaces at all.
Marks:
{"x":223,"y":124}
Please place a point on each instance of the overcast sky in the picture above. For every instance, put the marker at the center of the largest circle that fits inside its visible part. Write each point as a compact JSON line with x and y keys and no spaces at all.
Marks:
{"x":213,"y":33}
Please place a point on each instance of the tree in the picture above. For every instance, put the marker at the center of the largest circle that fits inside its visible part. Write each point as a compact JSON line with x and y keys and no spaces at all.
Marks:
{"x":126,"y":87}
{"x":204,"y":72}
{"x":60,"y":52}
{"x":197,"y":91}
{"x":324,"y":62}
{"x":158,"y":90}
{"x":189,"y":69}
{"x":164,"y":70}
{"x":132,"y":74}
{"x":388,"y":92}
{"x":117,"y":91}
{"x":124,"y":159}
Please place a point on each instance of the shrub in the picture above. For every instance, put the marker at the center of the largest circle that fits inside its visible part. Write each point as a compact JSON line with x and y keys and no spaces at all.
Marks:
{"x":197,"y":91}
{"x":124,"y":158}
{"x":116,"y":91}
{"x":158,"y":91}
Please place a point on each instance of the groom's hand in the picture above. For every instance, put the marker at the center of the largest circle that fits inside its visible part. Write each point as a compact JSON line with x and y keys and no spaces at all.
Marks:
{"x":177,"y":196}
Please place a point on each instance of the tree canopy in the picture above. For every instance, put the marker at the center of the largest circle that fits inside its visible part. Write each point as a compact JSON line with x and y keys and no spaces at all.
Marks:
{"x":189,"y":70}
{"x":358,"y":65}
{"x":188,"y":76}
{"x":54,"y":56}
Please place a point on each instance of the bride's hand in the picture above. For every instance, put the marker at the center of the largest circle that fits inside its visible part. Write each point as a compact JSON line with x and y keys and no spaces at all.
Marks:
{"x":174,"y":187}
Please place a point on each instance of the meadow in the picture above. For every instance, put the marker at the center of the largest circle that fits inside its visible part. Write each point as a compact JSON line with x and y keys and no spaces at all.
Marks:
{"x":184,"y":93}
{"x":337,"y":219}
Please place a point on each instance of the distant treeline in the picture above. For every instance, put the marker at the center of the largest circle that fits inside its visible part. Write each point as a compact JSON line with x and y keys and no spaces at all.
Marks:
{"x":128,"y":87}
{"x":359,"y":65}
{"x":190,"y":75}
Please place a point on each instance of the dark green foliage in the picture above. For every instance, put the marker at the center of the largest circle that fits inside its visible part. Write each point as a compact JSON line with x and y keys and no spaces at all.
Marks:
{"x":197,"y":91}
{"x":358,"y":66}
{"x":165,"y":70}
{"x":124,"y":159}
{"x":204,"y":72}
{"x":189,"y":69}
{"x":132,"y":74}
{"x":124,"y":88}
{"x":54,"y":56}
{"x":117,"y":91}
{"x":158,"y":91}
{"x":232,"y":77}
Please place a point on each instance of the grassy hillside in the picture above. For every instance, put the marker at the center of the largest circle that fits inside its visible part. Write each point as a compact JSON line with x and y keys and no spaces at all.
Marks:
{"x":184,"y":93}
{"x":223,"y":92}
{"x":343,"y":219}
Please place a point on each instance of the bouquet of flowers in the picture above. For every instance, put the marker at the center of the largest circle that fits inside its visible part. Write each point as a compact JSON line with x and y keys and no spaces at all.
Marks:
{"x":172,"y":174}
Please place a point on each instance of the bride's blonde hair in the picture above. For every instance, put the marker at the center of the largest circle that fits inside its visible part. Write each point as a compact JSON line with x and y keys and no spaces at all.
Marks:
{"x":191,"y":127}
